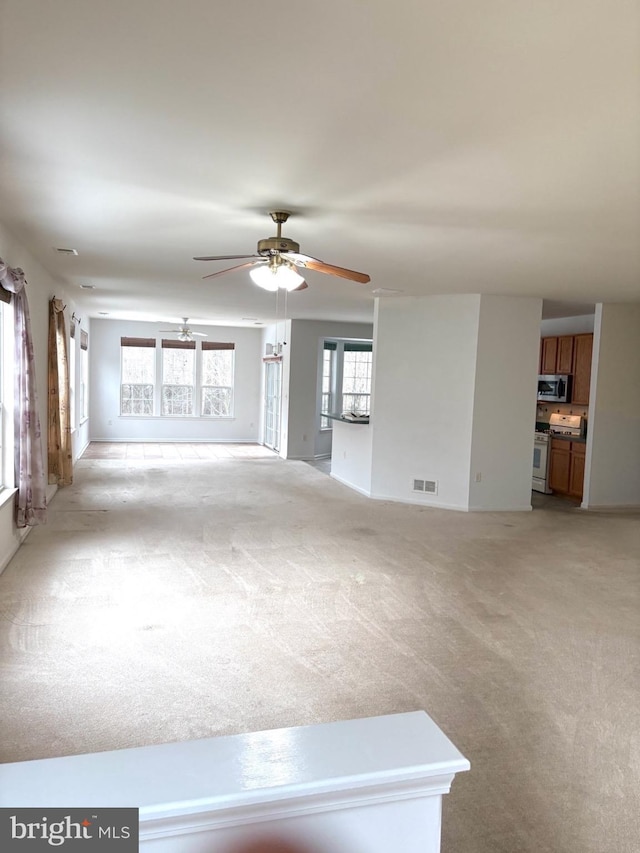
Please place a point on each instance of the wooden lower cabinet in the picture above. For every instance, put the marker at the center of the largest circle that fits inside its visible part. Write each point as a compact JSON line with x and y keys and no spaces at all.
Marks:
{"x":559,"y":466}
{"x":576,"y":469}
{"x":566,"y":469}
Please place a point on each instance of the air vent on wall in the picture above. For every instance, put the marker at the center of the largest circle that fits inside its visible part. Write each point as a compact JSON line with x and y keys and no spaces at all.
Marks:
{"x":429,"y":487}
{"x":63,"y":251}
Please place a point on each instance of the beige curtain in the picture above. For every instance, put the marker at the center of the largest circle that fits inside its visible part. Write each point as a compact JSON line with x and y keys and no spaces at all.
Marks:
{"x":59,"y":421}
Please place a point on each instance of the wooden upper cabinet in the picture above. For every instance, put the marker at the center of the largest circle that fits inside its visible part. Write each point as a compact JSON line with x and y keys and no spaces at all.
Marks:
{"x":549,"y":355}
{"x":564,"y":357}
{"x":582,"y":349}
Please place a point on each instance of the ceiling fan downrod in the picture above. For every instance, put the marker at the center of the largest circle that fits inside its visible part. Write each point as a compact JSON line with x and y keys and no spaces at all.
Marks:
{"x":277,"y":244}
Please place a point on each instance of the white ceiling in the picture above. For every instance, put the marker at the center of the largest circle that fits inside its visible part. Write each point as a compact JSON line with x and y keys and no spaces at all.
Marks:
{"x":442,"y":147}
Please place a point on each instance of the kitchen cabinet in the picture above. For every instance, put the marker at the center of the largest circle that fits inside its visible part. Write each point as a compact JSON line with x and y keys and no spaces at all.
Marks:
{"x":569,"y":354}
{"x":576,"y":468}
{"x":559,"y":466}
{"x":564,"y":359}
{"x":582,"y":350}
{"x":556,"y":355}
{"x":566,"y":467}
{"x":549,"y":356}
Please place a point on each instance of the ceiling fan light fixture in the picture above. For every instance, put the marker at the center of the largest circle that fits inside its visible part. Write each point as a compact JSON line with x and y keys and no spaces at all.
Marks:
{"x":274,"y":277}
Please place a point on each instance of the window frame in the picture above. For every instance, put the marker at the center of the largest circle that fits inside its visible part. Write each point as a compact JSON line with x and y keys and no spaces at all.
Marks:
{"x":337,"y":347}
{"x":172,"y":344}
{"x":147,"y":343}
{"x":84,"y":376}
{"x":73,"y":378}
{"x":159,"y":344}
{"x":216,"y":346}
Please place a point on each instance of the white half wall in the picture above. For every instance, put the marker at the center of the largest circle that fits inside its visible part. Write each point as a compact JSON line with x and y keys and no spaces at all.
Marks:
{"x":612,"y":476}
{"x":504,"y":407}
{"x":107,"y":424}
{"x":351,"y":455}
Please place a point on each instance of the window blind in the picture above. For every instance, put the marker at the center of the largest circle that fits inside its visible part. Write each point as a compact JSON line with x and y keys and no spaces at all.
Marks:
{"x":174,"y":344}
{"x":358,"y":346}
{"x":137,"y":342}
{"x":84,"y":339}
{"x":217,"y":345}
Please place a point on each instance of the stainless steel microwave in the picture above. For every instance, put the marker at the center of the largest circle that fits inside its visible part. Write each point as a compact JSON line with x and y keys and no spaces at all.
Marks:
{"x":555,"y":389}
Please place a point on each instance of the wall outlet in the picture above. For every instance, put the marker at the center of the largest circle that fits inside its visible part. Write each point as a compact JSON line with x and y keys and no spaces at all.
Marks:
{"x":478,"y":477}
{"x":110,"y":422}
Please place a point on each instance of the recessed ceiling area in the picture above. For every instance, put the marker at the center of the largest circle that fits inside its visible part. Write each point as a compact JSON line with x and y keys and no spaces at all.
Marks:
{"x":483,"y":147}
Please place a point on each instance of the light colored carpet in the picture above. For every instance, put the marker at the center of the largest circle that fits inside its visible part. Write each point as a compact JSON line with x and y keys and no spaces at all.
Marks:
{"x":186,"y":592}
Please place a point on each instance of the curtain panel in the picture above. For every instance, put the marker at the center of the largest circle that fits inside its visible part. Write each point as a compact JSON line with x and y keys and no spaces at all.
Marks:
{"x":59,"y":414}
{"x":31,"y":499}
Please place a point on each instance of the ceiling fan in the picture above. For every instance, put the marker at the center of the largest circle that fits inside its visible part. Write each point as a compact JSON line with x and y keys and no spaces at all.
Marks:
{"x":184,"y":333}
{"x":278,"y":262}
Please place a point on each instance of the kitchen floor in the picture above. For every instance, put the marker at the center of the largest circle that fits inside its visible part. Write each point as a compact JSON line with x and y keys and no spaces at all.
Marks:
{"x":560,"y":503}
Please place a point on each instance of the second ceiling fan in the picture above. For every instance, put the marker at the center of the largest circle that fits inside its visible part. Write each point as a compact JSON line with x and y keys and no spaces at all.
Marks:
{"x":184,"y":333}
{"x":278,"y":262}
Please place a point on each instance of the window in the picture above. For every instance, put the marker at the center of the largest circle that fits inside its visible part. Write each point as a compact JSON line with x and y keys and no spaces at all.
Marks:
{"x":346,"y":378}
{"x":356,"y":378}
{"x":178,"y":377}
{"x":6,"y":390}
{"x":138,"y":371}
{"x":2,"y":406}
{"x":216,"y":388}
{"x":84,"y":375}
{"x":326,"y":403}
{"x":72,"y":375}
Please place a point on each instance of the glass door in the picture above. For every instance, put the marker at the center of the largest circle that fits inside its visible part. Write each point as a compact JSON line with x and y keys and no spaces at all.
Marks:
{"x":272,"y":404}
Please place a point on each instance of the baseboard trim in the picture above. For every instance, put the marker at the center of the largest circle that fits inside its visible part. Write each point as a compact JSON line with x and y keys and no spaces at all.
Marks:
{"x":173,"y":441}
{"x":610,"y":508}
{"x":351,"y":485}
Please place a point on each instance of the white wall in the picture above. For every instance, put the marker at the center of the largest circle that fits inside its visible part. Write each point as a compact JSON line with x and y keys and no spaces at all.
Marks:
{"x":454,"y":396}
{"x":302,"y":354}
{"x":422,"y":401}
{"x":612,"y":474}
{"x":41,"y":286}
{"x":108,"y":425}
{"x":579,"y":325}
{"x":504,"y":409}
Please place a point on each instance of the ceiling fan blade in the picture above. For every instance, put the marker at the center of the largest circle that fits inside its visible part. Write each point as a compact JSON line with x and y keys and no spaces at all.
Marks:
{"x":238,"y":267}
{"x":174,"y":331}
{"x":329,"y":269}
{"x":227,"y":257}
{"x":302,"y":286}
{"x":200,"y":334}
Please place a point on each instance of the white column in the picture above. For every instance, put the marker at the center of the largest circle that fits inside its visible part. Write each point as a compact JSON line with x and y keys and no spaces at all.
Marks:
{"x":454,"y":400}
{"x":612,"y":475}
